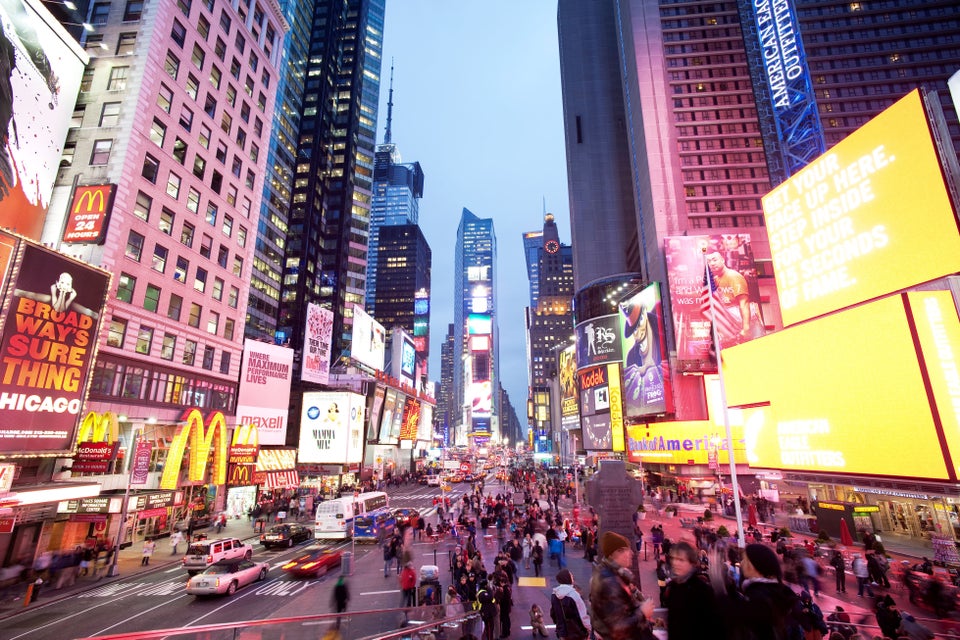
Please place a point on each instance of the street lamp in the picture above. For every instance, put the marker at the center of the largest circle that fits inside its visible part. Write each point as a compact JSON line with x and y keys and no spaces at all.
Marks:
{"x":136,"y":434}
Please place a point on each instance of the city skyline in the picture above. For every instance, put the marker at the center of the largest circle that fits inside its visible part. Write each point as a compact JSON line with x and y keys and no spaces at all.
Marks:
{"x":510,"y":99}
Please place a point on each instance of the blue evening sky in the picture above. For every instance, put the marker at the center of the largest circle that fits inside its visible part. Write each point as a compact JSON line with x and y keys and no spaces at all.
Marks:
{"x":477,"y":103}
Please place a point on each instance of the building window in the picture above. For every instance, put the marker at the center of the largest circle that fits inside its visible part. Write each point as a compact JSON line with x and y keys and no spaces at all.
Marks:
{"x":144,"y":340}
{"x":226,"y":123}
{"x":203,"y":27}
{"x":237,"y":166}
{"x":231,"y":95}
{"x":173,"y":185}
{"x":204,"y":137}
{"x":159,"y":258}
{"x":232,"y":195}
{"x":178,"y":33}
{"x":237,"y":265}
{"x":86,"y":80}
{"x":184,"y":6}
{"x":116,"y":333}
{"x":227,"y":226}
{"x":197,"y":57}
{"x":225,"y":362}
{"x":206,"y":246}
{"x":194,"y":319}
{"x":228,"y":328}
{"x":193,"y":200}
{"x":126,"y":43}
{"x":168,"y":346}
{"x":165,"y":98}
{"x":208,"y":353}
{"x":200,"y":280}
{"x":158,"y":132}
{"x":134,"y":246}
{"x":215,"y":76}
{"x":110,"y":114}
{"x":249,"y":180}
{"x":225,"y":22}
{"x":217,"y":292}
{"x":171,"y":65}
{"x":118,"y":79}
{"x":213,"y":323}
{"x":141,"y":207}
{"x":175,"y":307}
{"x":233,"y":298}
{"x":125,"y":286}
{"x":133,"y":10}
{"x":186,"y":234}
{"x":166,"y":221}
{"x":199,"y":166}
{"x":216,"y":181}
{"x":223,"y":255}
{"x":183,"y":266}
{"x":186,"y":118}
{"x":151,"y":298}
{"x":221,"y":152}
{"x":220,"y":48}
{"x":211,"y":216}
{"x":101,"y":152}
{"x":193,"y":87}
{"x":189,"y":352}
{"x":151,"y":168}
{"x":180,"y":150}
{"x":241,"y":236}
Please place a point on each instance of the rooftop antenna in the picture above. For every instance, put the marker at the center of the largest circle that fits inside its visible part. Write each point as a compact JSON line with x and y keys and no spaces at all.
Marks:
{"x":544,"y":204}
{"x":387,"y":136}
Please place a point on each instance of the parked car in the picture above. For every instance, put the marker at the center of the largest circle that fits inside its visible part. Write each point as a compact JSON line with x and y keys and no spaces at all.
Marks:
{"x":285,"y":535}
{"x":433,"y":480}
{"x":403,"y":515}
{"x":226,"y":576}
{"x":315,"y":562}
{"x":204,"y":553}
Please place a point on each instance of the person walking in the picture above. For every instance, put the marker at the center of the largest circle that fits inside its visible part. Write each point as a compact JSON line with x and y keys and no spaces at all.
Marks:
{"x":689,"y":599}
{"x":408,"y":586}
{"x":862,"y":573}
{"x":537,"y":554}
{"x":620,"y":611}
{"x":148,"y":546}
{"x":839,"y":565}
{"x":175,"y":539}
{"x":567,"y":609}
{"x":527,"y":546}
{"x":340,"y":597}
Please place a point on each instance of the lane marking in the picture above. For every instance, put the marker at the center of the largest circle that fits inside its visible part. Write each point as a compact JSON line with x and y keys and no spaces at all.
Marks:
{"x":378,"y":593}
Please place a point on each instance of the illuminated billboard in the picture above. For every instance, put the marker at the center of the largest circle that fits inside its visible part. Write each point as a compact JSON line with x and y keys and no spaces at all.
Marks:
{"x":601,"y":408}
{"x":386,"y":435}
{"x":51,"y":321}
{"x":331,"y":428}
{"x":598,"y":341}
{"x":426,"y":422}
{"x":44,"y":66}
{"x":567,"y":368}
{"x":479,"y":324}
{"x":480,"y":397}
{"x":408,"y":361}
{"x":263,"y":399}
{"x":373,"y":414}
{"x":853,"y":398}
{"x":410,"y":424}
{"x":683,"y":443}
{"x":318,"y":336}
{"x":89,"y":214}
{"x":368,"y":339}
{"x":646,"y":369}
{"x":869,"y":217}
{"x":732,"y":299}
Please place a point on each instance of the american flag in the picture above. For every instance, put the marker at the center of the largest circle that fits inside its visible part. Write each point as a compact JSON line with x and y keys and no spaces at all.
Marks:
{"x":728,"y":323}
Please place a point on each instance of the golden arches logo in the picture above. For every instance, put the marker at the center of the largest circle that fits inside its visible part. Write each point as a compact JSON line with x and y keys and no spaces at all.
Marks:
{"x":91,"y":199}
{"x":246,"y":434}
{"x":99,"y":427}
{"x":204,"y":440}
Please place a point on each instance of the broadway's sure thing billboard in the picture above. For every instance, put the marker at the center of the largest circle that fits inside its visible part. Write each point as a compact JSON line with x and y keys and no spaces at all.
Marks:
{"x":331,"y":427}
{"x":264,"y":396}
{"x":42,"y":69}
{"x":870,"y":217}
{"x":50,"y":324}
{"x":732,"y":300}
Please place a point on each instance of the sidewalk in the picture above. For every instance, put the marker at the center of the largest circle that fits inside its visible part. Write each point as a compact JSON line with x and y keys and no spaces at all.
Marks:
{"x":128,"y":564}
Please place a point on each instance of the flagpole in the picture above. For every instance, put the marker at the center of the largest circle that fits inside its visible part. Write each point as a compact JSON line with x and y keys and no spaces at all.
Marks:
{"x":734,"y":484}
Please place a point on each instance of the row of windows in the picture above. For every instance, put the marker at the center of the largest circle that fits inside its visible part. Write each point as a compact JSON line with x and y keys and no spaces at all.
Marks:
{"x":127,"y":284}
{"x":143,"y":343}
{"x":156,"y":385}
{"x":721,"y":222}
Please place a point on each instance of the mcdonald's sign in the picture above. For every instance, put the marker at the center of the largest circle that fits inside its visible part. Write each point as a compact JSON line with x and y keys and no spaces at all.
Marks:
{"x":205,"y":440}
{"x":88,"y":214}
{"x":99,"y":427}
{"x":240,"y":475}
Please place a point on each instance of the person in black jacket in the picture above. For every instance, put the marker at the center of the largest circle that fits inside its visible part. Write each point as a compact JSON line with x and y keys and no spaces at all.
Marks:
{"x":689,"y":599}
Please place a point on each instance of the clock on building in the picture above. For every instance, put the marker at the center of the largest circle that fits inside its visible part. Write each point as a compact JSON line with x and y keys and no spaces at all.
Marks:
{"x":552,"y":246}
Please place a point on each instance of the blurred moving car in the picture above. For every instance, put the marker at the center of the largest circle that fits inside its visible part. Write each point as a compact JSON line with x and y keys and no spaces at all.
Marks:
{"x":433,"y":480}
{"x":226,"y":576}
{"x":404,"y":514}
{"x":204,"y":553}
{"x":315,"y":562}
{"x":455,"y":478}
{"x":285,"y":535}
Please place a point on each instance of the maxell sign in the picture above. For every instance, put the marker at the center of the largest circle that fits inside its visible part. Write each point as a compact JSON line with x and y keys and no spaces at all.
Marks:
{"x":265,"y":390}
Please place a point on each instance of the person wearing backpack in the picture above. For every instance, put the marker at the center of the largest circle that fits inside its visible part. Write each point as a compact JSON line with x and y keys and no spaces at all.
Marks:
{"x":811,"y":618}
{"x":537,"y":555}
{"x":567,"y":609}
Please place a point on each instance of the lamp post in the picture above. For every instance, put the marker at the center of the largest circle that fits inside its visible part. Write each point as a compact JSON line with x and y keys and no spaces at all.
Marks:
{"x":114,"y":569}
{"x":734,"y":485}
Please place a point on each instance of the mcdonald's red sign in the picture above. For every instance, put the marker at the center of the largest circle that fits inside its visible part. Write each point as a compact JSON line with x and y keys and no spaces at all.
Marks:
{"x":88,"y":214}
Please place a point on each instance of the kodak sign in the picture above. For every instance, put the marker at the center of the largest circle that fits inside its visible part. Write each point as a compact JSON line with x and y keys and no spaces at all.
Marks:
{"x":205,"y":440}
{"x":88,"y":214}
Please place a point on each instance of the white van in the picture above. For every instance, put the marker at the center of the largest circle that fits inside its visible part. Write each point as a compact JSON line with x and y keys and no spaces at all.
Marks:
{"x":433,"y":480}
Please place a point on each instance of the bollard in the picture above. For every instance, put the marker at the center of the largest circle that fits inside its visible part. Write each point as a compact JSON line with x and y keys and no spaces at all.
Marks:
{"x":33,"y":591}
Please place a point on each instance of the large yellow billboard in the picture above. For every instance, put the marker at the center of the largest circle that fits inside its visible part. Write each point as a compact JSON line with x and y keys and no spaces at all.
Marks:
{"x":843,"y":394}
{"x":869,"y":217}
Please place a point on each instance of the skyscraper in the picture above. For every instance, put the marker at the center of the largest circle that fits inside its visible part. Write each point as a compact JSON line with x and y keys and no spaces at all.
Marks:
{"x":266,"y":276}
{"x":475,"y":362}
{"x":326,"y":251}
{"x":397,"y":189}
{"x":445,"y":400}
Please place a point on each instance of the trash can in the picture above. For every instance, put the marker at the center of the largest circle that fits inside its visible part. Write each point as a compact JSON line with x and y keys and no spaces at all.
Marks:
{"x":429,"y":592}
{"x":346,"y":563}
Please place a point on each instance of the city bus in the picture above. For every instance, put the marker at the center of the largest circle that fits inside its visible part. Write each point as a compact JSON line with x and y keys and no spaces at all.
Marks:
{"x":335,"y":518}
{"x":374,"y":525}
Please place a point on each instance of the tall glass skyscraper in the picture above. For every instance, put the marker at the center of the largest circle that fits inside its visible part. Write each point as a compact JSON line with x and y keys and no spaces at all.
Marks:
{"x":475,"y":363}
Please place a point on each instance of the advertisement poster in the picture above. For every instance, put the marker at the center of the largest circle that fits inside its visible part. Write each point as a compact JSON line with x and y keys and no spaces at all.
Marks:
{"x":646,"y":370}
{"x":567,"y":368}
{"x":264,"y":396}
{"x":318,"y":336}
{"x":43,"y":69}
{"x":140,"y":471}
{"x":50,"y":329}
{"x":373,"y":415}
{"x":368,"y":340}
{"x":733,"y":296}
{"x":386,"y":423}
{"x":411,"y":419}
{"x":598,"y":341}
{"x":89,"y":214}
{"x":331,"y":428}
